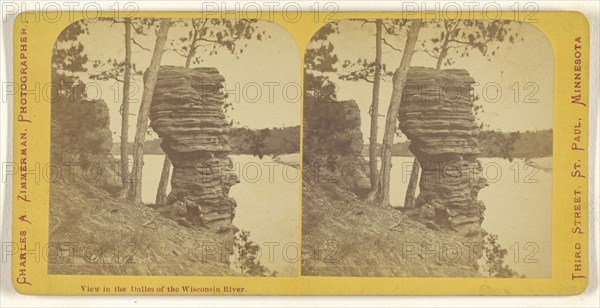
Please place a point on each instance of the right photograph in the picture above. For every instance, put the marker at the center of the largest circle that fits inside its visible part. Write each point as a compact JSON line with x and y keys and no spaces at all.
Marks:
{"x":427,"y":149}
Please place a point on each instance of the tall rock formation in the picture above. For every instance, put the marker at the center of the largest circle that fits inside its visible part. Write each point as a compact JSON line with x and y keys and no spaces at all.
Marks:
{"x":187,"y":113}
{"x":437,"y":116}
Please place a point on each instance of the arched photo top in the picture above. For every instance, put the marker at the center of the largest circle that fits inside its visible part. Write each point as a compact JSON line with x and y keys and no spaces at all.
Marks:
{"x":496,"y":53}
{"x":192,"y":118}
{"x":358,"y":75}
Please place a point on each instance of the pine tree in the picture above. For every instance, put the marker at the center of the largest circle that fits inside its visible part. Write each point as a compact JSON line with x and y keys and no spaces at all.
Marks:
{"x":135,"y":192}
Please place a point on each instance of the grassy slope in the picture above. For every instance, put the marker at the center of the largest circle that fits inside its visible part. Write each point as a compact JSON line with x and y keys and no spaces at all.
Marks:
{"x":371,"y":239}
{"x":88,"y":216}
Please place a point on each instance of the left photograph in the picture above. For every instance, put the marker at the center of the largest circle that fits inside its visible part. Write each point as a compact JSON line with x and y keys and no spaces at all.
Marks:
{"x":175,"y":148}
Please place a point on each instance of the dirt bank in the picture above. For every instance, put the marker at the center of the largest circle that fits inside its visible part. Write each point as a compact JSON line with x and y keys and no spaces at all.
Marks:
{"x":345,"y":236}
{"x":92,"y":232}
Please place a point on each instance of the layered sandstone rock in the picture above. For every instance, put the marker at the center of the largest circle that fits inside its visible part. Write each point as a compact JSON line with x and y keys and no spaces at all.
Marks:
{"x":437,"y":116}
{"x":187,"y":113}
{"x":336,"y":143}
{"x":352,"y":166}
{"x":83,"y":140}
{"x":350,"y":113}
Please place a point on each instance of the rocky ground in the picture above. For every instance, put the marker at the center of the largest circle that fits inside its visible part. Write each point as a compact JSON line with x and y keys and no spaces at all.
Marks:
{"x":345,"y":236}
{"x":93,"y":233}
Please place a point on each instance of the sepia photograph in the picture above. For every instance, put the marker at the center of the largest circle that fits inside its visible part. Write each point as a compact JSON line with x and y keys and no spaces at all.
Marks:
{"x":427,"y":149}
{"x":293,"y":149}
{"x":175,"y":148}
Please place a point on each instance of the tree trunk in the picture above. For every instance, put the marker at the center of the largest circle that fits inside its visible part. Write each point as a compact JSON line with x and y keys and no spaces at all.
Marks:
{"x":188,"y":61}
{"x":150,"y":76}
{"x":438,"y":65}
{"x":125,"y":107}
{"x":392,"y":115}
{"x":161,"y":193}
{"x":373,"y":174}
{"x":411,"y":190}
{"x":443,"y":51}
{"x":440,"y":59}
{"x":190,"y":56}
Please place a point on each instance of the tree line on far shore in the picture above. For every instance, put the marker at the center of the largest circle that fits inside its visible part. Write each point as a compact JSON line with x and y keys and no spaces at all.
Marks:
{"x":286,"y":140}
{"x":258,"y":142}
{"x":508,"y":145}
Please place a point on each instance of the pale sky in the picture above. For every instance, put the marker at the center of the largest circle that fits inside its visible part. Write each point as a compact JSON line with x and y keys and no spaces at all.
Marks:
{"x":256,"y":79}
{"x":529,"y":60}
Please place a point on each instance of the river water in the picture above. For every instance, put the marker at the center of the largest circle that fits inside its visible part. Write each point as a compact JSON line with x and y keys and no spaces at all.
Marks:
{"x":518,"y":204}
{"x":268,"y":198}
